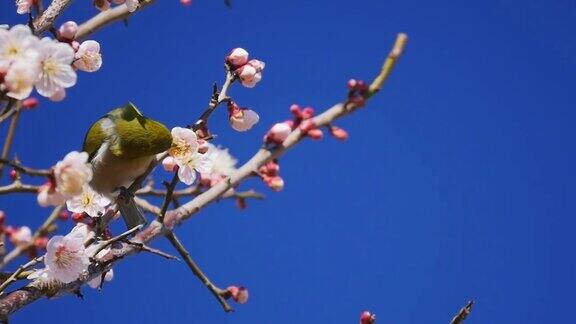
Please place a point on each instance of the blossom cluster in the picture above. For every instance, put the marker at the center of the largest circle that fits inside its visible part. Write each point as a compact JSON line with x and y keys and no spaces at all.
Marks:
{"x":188,"y":155}
{"x":28,"y":62}
{"x":70,"y":184}
{"x":248,"y":71}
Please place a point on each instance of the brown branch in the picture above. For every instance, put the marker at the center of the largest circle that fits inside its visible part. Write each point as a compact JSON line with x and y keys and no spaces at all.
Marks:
{"x":45,"y":229}
{"x":20,"y":269}
{"x":48,"y":17}
{"x":10,"y":135}
{"x":463,"y":313}
{"x":18,"y":186}
{"x":24,"y":296}
{"x":217,"y":292}
{"x":146,"y":248}
{"x":107,"y":17}
{"x":24,"y":169}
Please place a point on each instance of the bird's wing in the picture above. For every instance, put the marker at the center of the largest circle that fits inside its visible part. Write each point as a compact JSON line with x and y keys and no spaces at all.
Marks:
{"x":95,"y":137}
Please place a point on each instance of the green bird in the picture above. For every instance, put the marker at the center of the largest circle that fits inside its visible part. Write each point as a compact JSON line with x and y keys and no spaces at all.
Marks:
{"x":121,"y":146}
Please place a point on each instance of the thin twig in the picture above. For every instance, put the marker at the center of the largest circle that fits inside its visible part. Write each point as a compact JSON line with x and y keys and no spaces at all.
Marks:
{"x":107,"y":17}
{"x":18,"y":271}
{"x":24,"y":169}
{"x":105,"y":244}
{"x":146,"y":248}
{"x":10,"y":135}
{"x":217,"y":292}
{"x":168,"y":198}
{"x":463,"y":313}
{"x":18,"y":186}
{"x":389,"y":63}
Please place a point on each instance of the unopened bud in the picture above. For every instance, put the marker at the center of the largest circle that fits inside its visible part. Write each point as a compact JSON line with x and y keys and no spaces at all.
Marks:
{"x":296,"y":111}
{"x":307,"y":112}
{"x":67,"y":30}
{"x":77,"y":217}
{"x":41,"y":242}
{"x":367,"y":318}
{"x":339,"y":133}
{"x":13,"y":174}
{"x":239,"y":294}
{"x":241,"y":203}
{"x":276,"y":183}
{"x":237,"y":57}
{"x":30,"y":103}
{"x":186,"y":3}
{"x":307,"y":125}
{"x":315,"y":134}
{"x":64,"y":215}
{"x":2,"y":217}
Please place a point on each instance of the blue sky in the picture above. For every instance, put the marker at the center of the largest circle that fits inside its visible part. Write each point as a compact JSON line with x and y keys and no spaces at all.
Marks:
{"x":456,"y":182}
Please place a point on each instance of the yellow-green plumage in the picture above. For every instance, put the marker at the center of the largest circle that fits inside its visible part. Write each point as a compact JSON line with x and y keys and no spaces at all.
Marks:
{"x":121,"y":145}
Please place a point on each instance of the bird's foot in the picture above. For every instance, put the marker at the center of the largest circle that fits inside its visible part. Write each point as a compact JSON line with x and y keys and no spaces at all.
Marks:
{"x":125,"y":194}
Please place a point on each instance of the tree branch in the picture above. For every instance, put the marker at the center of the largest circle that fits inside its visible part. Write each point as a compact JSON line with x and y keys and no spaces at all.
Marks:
{"x":18,"y":186}
{"x":107,"y":17}
{"x":463,"y":313}
{"x":48,"y":17}
{"x":24,"y":169}
{"x":17,"y":299}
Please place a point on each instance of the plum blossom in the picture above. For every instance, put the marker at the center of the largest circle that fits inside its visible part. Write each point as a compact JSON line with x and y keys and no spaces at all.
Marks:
{"x":241,"y":119}
{"x":56,"y":72}
{"x":184,"y":150}
{"x":132,"y":5}
{"x":72,"y":173}
{"x":23,"y":6}
{"x":237,"y":57}
{"x":20,"y":78}
{"x":88,"y":57}
{"x":239,"y":294}
{"x":169,"y":163}
{"x":66,"y":257}
{"x":17,"y":43}
{"x":48,"y":196}
{"x":223,"y":163}
{"x":250,"y":73}
{"x":89,"y":202}
{"x":22,"y":237}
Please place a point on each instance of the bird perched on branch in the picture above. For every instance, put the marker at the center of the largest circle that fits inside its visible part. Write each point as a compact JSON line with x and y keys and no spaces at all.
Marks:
{"x":121,"y":146}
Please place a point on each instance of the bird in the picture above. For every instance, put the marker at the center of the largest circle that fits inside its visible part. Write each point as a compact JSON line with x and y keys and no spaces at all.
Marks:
{"x":121,"y":145}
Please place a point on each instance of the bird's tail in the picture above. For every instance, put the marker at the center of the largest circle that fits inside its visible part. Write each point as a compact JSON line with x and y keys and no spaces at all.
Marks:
{"x":130,"y":212}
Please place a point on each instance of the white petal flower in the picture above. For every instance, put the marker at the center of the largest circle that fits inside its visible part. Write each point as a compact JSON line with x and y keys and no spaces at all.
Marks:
{"x":88,"y":58}
{"x":20,"y":78}
{"x":22,"y":236}
{"x":237,"y":57}
{"x":279,"y":132}
{"x":132,"y":5}
{"x":72,"y":173}
{"x":66,"y":258}
{"x":23,"y":6}
{"x":48,"y":196}
{"x":223,"y":164}
{"x":184,"y":142}
{"x":89,"y":202}
{"x":188,"y":166}
{"x":243,"y":119}
{"x":17,"y":43}
{"x":56,"y":71}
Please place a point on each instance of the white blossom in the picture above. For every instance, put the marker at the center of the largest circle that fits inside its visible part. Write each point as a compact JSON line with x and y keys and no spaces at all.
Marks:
{"x":20,"y":78}
{"x":223,"y":163}
{"x":185,"y":152}
{"x":243,"y":119}
{"x":17,"y":43}
{"x":72,"y":173}
{"x":55,"y":69}
{"x":65,"y":257}
{"x":22,"y":236}
{"x":88,"y":57}
{"x":250,"y":73}
{"x":48,"y":196}
{"x":89,"y":202}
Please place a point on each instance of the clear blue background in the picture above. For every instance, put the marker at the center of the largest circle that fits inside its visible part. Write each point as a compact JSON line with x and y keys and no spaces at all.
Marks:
{"x":457,"y":181}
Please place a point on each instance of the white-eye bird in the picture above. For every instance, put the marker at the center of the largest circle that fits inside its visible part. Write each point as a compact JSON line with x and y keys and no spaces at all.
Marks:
{"x":121,"y":146}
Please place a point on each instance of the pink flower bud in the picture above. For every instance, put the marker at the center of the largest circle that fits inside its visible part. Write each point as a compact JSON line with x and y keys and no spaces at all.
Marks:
{"x":75,"y":45}
{"x":30,"y":103}
{"x":279,"y":132}
{"x":367,"y":318}
{"x":41,"y":242}
{"x":307,"y":112}
{"x":48,"y":196}
{"x":64,"y":215}
{"x":9,"y":230}
{"x":13,"y":174}
{"x":339,"y":133}
{"x":186,"y":3}
{"x":272,"y":168}
{"x":67,"y":30}
{"x":296,"y":111}
{"x":250,"y":73}
{"x":307,"y":125}
{"x":239,"y":294}
{"x":315,"y":134}
{"x":2,"y":217}
{"x":237,"y":57}
{"x":241,"y":119}
{"x":59,"y":95}
{"x":77,"y":217}
{"x":275,"y":183}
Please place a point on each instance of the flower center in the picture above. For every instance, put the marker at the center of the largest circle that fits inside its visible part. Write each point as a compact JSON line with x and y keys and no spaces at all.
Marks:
{"x":64,"y":257}
{"x":180,"y":148}
{"x":50,"y":67}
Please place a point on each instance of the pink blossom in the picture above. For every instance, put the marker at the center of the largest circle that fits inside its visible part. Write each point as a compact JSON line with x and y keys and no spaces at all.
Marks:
{"x":23,"y":6}
{"x":315,"y":133}
{"x":88,"y":57}
{"x":367,"y":318}
{"x":72,"y":173}
{"x":184,"y":150}
{"x":339,"y":133}
{"x":239,"y":294}
{"x":22,"y":237}
{"x":21,"y":77}
{"x":169,"y":163}
{"x":275,"y":183}
{"x":48,"y":196}
{"x":237,"y":57}
{"x":55,"y":70}
{"x":241,"y":119}
{"x":250,"y":73}
{"x":89,"y":202}
{"x":67,"y":30}
{"x":66,"y":257}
